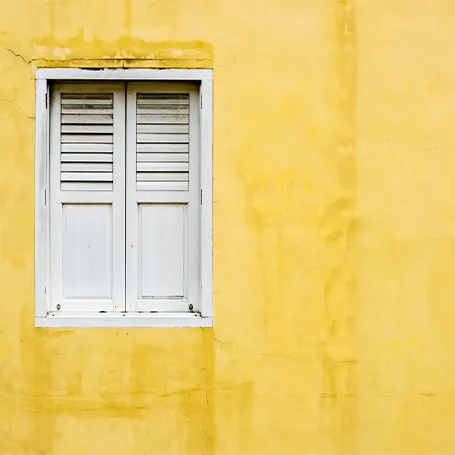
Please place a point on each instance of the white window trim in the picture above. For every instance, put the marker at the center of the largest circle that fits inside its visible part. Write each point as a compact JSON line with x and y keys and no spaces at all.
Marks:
{"x":43,"y":316}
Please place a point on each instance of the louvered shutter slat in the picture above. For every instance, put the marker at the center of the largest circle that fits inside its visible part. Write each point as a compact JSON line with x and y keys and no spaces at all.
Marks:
{"x":85,"y":186}
{"x":86,"y":128}
{"x":98,"y":119}
{"x":162,"y":167}
{"x":86,"y":148}
{"x":164,"y":128}
{"x":87,"y":157}
{"x":145,"y":110}
{"x":162,"y":186}
{"x":167,"y":157}
{"x":94,"y":101}
{"x":86,"y":167}
{"x":87,"y":138}
{"x":162,"y":142}
{"x":162,"y":148}
{"x":162,"y":117}
{"x":162,"y":176}
{"x":162,"y":99}
{"x":84,"y":176}
{"x":162,"y":138}
{"x":90,"y":109}
{"x":87,"y":132}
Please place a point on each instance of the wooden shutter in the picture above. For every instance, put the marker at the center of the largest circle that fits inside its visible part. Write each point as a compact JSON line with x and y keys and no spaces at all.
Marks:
{"x":87,"y":198}
{"x":86,"y":141}
{"x":162,"y":141}
{"x":163,"y":197}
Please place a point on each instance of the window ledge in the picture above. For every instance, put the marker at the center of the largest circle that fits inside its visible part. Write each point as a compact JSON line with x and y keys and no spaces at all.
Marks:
{"x":123,"y":320}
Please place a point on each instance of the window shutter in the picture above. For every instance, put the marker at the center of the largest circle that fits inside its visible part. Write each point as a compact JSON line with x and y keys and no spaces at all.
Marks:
{"x":87,"y":133}
{"x":163,"y":197}
{"x":87,"y":182}
{"x":162,"y":141}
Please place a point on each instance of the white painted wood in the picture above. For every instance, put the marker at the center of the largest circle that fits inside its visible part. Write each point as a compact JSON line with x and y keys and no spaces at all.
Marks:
{"x":87,"y":139}
{"x":132,"y":204}
{"x":167,"y":157}
{"x":85,"y":118}
{"x":87,"y":228}
{"x":193,"y":258}
{"x":163,"y":138}
{"x":78,"y":109}
{"x":146,"y":115}
{"x":125,"y":320}
{"x":146,"y":194}
{"x":163,"y":167}
{"x":162,"y":186}
{"x":88,"y":305}
{"x":96,"y":98}
{"x":87,"y":252}
{"x":162,"y":128}
{"x":173,"y":305}
{"x":87,"y":158}
{"x":85,"y":100}
{"x":41,"y":212}
{"x":86,"y":186}
{"x":55,"y":204}
{"x":163,"y":89}
{"x":130,"y":74}
{"x":161,"y":247}
{"x":85,"y":128}
{"x":85,"y":197}
{"x":160,"y":255}
{"x":93,"y":177}
{"x":87,"y":148}
{"x":165,"y":177}
{"x":157,"y":131}
{"x":161,"y":99}
{"x":86,"y":167}
{"x":206,"y":234}
{"x":160,"y":109}
{"x":157,"y":196}
{"x":163,"y":148}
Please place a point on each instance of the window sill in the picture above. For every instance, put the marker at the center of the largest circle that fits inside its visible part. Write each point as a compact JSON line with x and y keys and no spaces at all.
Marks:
{"x":119,"y":320}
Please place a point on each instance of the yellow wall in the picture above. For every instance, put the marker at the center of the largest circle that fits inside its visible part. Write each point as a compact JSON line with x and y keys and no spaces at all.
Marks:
{"x":334,"y":236}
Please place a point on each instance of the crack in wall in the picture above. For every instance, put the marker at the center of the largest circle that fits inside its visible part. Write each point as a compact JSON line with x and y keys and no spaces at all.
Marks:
{"x":120,"y":60}
{"x":13,"y":101}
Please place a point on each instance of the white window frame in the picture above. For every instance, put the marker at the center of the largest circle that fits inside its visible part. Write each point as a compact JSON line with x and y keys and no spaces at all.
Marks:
{"x":43,"y":316}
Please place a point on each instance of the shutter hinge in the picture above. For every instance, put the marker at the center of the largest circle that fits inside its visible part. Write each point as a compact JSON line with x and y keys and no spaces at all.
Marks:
{"x":45,"y":289}
{"x":46,"y":100}
{"x":201,"y":197}
{"x":45,"y":197}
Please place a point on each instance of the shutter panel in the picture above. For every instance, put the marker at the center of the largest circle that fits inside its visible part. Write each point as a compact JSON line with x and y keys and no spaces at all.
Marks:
{"x":87,"y":188}
{"x":162,"y":129}
{"x":163,"y":197}
{"x":87,"y":136}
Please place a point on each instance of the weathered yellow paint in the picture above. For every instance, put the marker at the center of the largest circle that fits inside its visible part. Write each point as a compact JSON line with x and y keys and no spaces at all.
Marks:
{"x":334,"y":236}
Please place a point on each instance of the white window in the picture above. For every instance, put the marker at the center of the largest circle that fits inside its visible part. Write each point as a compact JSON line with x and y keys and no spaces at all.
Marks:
{"x":123,"y":198}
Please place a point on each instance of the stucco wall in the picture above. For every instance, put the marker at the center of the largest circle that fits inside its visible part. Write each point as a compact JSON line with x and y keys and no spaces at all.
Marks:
{"x":334,"y":236}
